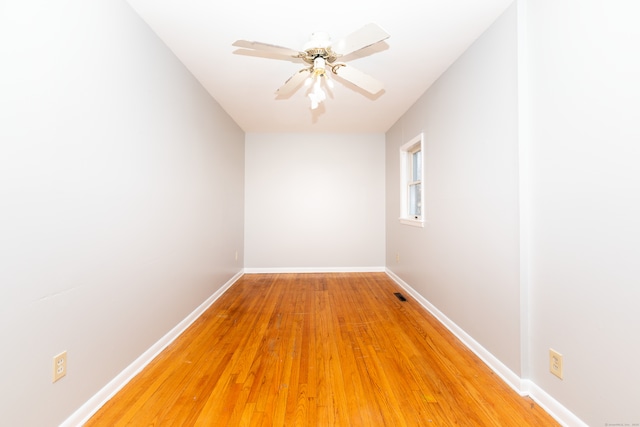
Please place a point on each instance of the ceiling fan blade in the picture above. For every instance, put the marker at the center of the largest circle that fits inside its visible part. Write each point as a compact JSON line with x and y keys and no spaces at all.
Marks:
{"x":366,"y":36}
{"x":360,"y":79}
{"x":266,"y":47}
{"x":292,"y":84}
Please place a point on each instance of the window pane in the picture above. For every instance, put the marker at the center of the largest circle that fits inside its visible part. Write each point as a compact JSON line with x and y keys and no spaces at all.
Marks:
{"x":415,"y":201}
{"x":416,"y":166}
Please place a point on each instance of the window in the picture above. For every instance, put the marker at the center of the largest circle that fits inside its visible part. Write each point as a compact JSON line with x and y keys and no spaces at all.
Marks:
{"x":411,"y":183}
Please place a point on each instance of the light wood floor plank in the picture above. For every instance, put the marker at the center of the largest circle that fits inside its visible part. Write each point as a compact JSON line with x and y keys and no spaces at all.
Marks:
{"x":333,"y":349}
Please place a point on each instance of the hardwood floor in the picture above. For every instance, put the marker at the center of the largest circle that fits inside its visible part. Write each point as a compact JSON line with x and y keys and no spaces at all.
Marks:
{"x":317,"y":350}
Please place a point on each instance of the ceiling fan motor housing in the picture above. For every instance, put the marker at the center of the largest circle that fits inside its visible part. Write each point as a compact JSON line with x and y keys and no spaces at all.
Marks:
{"x":318,"y":39}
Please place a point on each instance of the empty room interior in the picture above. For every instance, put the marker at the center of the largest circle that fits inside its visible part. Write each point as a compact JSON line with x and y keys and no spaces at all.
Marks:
{"x":478,"y":160}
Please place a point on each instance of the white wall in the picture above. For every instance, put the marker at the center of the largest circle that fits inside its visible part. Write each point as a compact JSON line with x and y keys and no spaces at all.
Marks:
{"x":314,"y":202}
{"x":121,"y":199}
{"x":465,"y":260}
{"x":577,"y":134}
{"x":585,"y":216}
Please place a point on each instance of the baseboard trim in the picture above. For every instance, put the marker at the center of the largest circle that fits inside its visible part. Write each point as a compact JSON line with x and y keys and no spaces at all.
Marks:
{"x":552,"y":406}
{"x":523,"y":387}
{"x":90,"y":407}
{"x":315,"y":270}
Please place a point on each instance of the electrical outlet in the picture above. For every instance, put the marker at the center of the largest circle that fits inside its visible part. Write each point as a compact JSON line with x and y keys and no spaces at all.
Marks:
{"x":397,"y":257}
{"x":236,"y":255}
{"x":555,"y":363}
{"x":59,"y":366}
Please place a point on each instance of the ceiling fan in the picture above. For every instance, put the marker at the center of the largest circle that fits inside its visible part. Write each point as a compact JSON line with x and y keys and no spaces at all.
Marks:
{"x":322,"y":55}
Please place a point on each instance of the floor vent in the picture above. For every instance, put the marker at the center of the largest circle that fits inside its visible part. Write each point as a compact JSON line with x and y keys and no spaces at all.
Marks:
{"x":400,"y":296}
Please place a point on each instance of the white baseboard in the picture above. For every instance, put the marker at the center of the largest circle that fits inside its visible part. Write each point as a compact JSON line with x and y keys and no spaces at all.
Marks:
{"x":552,"y":406}
{"x":315,"y":270}
{"x":522,"y":386}
{"x":86,"y":411}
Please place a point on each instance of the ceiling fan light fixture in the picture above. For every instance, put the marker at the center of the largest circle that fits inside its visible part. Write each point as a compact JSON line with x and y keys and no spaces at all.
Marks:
{"x":314,"y":102}
{"x":329,"y":81}
{"x":317,"y":94}
{"x":319,"y":66}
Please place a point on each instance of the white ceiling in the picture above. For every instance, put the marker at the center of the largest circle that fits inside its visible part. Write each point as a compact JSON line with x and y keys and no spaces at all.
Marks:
{"x":426,"y":37}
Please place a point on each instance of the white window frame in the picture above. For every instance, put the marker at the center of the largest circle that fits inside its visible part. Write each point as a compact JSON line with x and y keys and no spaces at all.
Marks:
{"x":406,"y":174}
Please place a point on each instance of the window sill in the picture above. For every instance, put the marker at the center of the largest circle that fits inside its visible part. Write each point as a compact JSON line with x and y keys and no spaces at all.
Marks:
{"x":412,"y":222}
